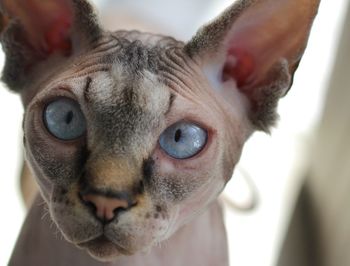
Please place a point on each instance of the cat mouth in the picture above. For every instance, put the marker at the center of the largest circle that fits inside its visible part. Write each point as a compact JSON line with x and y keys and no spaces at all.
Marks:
{"x":102,"y":247}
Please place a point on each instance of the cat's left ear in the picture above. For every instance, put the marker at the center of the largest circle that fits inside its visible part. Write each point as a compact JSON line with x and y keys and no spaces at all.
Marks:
{"x":257,"y":44}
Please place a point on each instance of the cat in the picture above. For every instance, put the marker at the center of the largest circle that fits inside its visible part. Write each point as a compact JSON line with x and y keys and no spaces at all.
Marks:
{"x":132,"y":136}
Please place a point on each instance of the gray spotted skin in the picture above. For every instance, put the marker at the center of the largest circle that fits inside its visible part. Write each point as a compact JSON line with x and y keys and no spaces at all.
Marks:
{"x":126,"y":90}
{"x":131,"y":86}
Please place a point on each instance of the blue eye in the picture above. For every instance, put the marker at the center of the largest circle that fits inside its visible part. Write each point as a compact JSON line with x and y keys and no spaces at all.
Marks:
{"x":64,"y":119}
{"x":183,"y":140}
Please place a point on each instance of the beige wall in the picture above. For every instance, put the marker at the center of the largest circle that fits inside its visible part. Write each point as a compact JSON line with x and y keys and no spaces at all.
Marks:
{"x":329,"y":181}
{"x":319,"y":233}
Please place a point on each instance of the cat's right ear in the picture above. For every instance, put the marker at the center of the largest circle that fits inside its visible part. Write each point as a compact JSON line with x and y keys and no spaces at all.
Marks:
{"x":38,"y":37}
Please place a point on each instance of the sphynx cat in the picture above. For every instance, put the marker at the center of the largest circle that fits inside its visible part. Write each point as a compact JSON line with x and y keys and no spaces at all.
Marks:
{"x":132,"y":136}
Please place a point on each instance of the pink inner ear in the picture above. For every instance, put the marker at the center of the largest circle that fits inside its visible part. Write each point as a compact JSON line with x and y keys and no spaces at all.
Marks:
{"x":57,"y":36}
{"x":239,"y":65}
{"x":46,"y":23}
{"x":265,"y":33}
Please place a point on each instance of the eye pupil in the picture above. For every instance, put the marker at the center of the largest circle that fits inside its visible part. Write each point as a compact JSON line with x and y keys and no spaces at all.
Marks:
{"x":64,"y":119}
{"x":69,"y":117}
{"x":178,"y":134}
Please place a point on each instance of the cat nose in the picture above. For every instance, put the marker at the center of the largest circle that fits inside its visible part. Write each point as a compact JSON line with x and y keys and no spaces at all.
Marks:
{"x":105,"y":208}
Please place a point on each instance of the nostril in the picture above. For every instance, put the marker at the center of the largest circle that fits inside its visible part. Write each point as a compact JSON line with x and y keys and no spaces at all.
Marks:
{"x":119,"y":210}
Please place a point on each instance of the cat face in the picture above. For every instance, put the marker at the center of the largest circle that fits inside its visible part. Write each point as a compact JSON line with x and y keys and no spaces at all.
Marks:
{"x":133,"y":110}
{"x":146,"y":124}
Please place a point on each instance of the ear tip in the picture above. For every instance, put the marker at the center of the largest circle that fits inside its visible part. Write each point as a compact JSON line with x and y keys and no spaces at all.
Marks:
{"x":86,"y":19}
{"x":211,"y":36}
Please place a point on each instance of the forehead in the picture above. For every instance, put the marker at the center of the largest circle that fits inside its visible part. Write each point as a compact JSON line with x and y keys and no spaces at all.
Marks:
{"x":134,"y":50}
{"x":126,"y":92}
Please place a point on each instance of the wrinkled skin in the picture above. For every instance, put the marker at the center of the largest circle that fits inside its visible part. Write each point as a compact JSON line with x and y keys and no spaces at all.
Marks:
{"x":167,"y":192}
{"x":131,"y":87}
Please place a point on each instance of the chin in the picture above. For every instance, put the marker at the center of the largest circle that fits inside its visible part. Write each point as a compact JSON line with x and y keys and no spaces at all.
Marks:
{"x":104,"y":250}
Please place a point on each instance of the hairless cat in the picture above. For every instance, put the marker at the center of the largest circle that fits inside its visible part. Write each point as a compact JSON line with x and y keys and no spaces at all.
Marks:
{"x":132,"y":136}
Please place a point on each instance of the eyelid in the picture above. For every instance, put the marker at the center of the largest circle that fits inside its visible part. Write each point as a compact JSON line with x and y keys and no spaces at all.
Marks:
{"x":47,"y":96}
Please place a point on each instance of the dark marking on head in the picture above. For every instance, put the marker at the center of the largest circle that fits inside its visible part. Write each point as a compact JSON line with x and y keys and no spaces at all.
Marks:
{"x":83,"y":156}
{"x":124,"y":111}
{"x":171,"y":101}
{"x":134,"y":55}
{"x":129,"y":97}
{"x":140,"y":188}
{"x":87,"y":88}
{"x":137,"y":57}
{"x":148,"y":166}
{"x":156,"y":215}
{"x":63,"y":191}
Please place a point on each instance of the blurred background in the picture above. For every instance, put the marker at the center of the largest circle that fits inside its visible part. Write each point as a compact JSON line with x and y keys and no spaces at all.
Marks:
{"x":300,"y":174}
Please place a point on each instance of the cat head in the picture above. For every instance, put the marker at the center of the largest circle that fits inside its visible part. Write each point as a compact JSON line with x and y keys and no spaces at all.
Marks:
{"x":131,"y":135}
